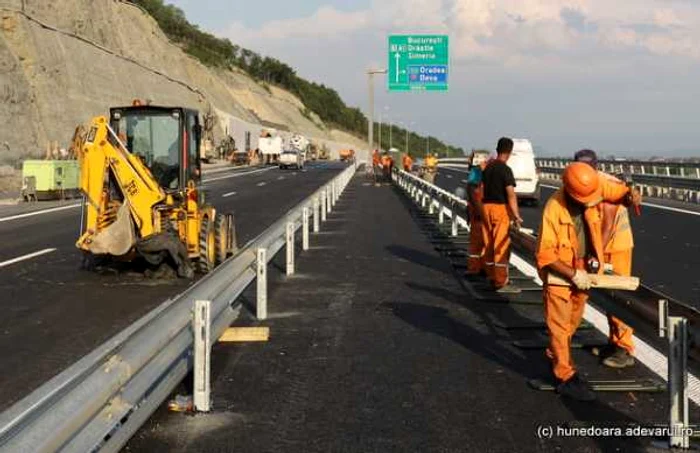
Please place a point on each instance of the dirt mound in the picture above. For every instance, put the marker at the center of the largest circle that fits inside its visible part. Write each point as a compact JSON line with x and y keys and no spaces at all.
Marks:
{"x":66,"y":61}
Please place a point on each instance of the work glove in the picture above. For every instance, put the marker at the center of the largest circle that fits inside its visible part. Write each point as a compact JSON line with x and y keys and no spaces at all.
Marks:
{"x":582,"y":280}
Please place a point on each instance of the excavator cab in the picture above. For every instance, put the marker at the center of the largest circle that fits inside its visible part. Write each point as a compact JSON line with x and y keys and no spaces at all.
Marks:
{"x":166,"y":139}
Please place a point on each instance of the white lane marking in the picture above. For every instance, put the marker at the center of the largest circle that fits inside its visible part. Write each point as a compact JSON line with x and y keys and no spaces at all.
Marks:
{"x":260,"y":184}
{"x":280,"y":178}
{"x":237,"y":175}
{"x":651,"y":205}
{"x":26,"y":257}
{"x":449,"y":176}
{"x":226,"y":195}
{"x":645,"y":353}
{"x":44,"y":211}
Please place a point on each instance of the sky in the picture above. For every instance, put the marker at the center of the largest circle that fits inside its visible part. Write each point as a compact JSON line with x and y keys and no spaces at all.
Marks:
{"x":618,"y":76}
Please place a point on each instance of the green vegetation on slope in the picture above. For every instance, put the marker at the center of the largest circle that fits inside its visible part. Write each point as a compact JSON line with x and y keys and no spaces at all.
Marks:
{"x":323,"y":101}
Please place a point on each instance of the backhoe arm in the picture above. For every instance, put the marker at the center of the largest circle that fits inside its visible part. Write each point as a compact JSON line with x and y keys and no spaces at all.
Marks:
{"x":105,"y":163}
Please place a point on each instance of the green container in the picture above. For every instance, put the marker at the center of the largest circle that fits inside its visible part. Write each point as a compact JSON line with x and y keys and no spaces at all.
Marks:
{"x":52,"y":178}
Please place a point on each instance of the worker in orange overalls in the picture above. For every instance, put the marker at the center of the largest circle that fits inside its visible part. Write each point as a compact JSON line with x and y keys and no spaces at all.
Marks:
{"x":475,"y":193}
{"x":387,"y":166}
{"x":407,"y":163}
{"x":618,"y":243}
{"x":570,"y":242}
{"x":500,"y":207}
{"x":376,"y":163}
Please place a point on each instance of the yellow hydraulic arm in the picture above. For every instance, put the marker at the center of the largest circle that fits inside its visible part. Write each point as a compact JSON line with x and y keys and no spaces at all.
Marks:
{"x":103,"y":158}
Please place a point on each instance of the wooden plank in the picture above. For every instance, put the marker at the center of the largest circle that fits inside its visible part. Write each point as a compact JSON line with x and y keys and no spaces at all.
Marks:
{"x":600,"y":281}
{"x":245,"y":334}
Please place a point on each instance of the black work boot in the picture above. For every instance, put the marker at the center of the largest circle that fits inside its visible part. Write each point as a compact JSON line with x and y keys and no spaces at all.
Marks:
{"x":576,"y":388}
{"x":619,"y":358}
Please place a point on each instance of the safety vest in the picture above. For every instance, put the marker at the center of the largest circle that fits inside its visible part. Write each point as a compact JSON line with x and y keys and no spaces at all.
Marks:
{"x":557,"y":239}
{"x":619,"y":231}
{"x":407,"y":162}
{"x":431,"y":162}
{"x":375,"y":158}
{"x":386,"y":161}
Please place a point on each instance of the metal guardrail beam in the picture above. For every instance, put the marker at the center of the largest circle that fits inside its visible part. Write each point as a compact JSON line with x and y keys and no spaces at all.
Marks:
{"x":643,"y":302}
{"x":101,"y":400}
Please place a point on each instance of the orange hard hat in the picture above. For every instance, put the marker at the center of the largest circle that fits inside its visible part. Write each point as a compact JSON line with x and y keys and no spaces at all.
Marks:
{"x":582,"y":183}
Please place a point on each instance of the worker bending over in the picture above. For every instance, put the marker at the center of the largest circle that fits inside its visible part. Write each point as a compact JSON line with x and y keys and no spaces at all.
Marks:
{"x":570,"y":244}
{"x":500,"y":206}
{"x":618,"y":243}
{"x":407,"y":163}
{"x":475,"y":208}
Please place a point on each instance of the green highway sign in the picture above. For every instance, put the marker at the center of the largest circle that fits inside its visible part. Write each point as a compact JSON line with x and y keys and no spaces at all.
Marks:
{"x":418,"y":63}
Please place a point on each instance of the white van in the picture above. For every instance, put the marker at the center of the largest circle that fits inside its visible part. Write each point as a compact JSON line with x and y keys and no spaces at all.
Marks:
{"x":522,"y":162}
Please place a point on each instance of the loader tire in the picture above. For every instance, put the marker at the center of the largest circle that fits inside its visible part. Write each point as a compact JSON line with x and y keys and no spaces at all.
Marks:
{"x":207,"y":246}
{"x":222,"y":238}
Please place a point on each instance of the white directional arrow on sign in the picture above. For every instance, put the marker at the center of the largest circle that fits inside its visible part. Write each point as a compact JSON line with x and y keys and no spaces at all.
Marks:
{"x":397,"y":56}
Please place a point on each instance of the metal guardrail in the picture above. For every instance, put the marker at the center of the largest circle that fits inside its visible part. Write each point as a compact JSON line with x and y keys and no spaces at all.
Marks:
{"x":99,"y":402}
{"x":674,"y":181}
{"x":633,"y":167}
{"x":655,"y":179}
{"x":677,"y":322}
{"x":642,"y":302}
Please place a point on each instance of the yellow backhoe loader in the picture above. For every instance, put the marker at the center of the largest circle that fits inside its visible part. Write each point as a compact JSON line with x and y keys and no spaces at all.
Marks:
{"x":140,"y":176}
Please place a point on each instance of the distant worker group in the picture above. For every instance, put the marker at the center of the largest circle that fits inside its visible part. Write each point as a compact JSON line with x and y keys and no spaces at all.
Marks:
{"x":585,"y":229}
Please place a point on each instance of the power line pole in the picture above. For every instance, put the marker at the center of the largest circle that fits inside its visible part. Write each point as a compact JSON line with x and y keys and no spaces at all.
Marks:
{"x":370,"y":120}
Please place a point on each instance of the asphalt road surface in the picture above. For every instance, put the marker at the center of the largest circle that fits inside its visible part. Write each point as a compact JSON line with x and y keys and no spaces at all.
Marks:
{"x":667,"y":245}
{"x":54,"y":312}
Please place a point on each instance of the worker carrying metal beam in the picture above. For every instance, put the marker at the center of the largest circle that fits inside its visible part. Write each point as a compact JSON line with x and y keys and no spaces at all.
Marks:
{"x":500,"y":208}
{"x":618,"y":243}
{"x":570,"y":244}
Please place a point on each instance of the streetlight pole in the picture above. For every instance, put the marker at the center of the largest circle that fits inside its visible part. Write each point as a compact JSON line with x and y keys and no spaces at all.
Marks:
{"x":380,"y":132}
{"x":370,"y":120}
{"x":391,"y":128}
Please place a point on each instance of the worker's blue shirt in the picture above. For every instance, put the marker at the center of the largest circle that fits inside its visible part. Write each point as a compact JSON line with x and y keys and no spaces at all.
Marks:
{"x":474,"y":177}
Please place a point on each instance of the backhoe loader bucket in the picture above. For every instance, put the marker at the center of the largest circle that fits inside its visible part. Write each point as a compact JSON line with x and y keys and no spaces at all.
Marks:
{"x":116,"y":239}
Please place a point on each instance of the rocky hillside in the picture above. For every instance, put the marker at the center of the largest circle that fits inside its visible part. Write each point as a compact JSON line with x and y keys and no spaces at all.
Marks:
{"x":65,"y":61}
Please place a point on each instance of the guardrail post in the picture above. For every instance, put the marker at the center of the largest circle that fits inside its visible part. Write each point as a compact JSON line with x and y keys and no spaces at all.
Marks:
{"x":290,"y":248}
{"x":305,"y":228}
{"x":329,"y":196}
{"x":431,"y":207}
{"x":333,"y":193}
{"x":675,"y":328}
{"x":316,"y":215}
{"x":455,"y":225}
{"x":324,"y":199}
{"x":441,"y":213}
{"x":261,"y":304}
{"x":201,"y":326}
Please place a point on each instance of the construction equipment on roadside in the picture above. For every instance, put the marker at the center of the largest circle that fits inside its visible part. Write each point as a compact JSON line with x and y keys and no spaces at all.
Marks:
{"x":140,"y":174}
{"x":324,"y":153}
{"x":600,"y":281}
